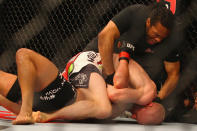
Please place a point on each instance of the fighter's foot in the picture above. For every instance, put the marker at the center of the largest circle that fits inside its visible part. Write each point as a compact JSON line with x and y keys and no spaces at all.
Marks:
{"x":23,"y":120}
{"x":40,"y":117}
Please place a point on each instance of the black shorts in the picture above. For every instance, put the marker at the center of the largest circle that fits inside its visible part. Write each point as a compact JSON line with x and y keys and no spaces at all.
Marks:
{"x":81,"y":78}
{"x":57,"y":95}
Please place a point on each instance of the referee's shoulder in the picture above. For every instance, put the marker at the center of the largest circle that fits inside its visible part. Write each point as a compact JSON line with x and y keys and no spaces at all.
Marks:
{"x":138,"y":6}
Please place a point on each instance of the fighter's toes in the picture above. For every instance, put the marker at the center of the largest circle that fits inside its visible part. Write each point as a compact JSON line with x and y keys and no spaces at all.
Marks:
{"x":36,"y":116}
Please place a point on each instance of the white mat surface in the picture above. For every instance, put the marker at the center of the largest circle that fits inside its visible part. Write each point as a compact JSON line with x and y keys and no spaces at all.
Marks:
{"x":119,"y":124}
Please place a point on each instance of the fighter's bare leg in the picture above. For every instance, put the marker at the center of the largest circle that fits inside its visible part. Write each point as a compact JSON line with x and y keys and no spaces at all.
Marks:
{"x":7,"y":80}
{"x":35,"y":72}
{"x":92,"y":102}
{"x":9,"y":105}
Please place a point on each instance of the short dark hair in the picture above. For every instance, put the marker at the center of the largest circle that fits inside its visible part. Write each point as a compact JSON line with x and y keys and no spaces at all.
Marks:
{"x":160,"y":13}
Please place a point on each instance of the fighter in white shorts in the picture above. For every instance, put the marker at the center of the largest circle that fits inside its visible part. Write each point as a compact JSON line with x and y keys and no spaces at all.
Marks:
{"x":91,"y":97}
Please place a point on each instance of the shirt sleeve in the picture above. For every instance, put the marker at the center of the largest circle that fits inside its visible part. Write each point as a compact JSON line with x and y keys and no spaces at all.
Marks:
{"x":124,"y":19}
{"x":174,"y":56}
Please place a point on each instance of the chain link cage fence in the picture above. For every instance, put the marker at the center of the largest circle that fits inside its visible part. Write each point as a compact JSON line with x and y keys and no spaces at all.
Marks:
{"x":57,"y":29}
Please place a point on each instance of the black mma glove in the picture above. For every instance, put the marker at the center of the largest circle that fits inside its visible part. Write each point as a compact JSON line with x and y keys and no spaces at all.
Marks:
{"x":109,"y":79}
{"x":157,"y":99}
{"x":126,"y":50}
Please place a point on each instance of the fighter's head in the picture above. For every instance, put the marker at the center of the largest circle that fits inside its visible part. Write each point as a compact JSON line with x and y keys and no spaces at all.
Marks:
{"x":159,"y":23}
{"x":152,"y":114}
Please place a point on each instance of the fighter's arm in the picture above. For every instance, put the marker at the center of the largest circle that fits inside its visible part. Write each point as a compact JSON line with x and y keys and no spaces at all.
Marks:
{"x":173,"y":70}
{"x":124,"y":95}
{"x":122,"y":99}
{"x":141,"y":89}
{"x":141,"y":96}
{"x":105,"y":45}
{"x":121,"y":77}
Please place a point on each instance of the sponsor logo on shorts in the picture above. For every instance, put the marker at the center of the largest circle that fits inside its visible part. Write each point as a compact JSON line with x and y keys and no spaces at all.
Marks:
{"x":81,"y":79}
{"x":50,"y":94}
{"x":91,"y":56}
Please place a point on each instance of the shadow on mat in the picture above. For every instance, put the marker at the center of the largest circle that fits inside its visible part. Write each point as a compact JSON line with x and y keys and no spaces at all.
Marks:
{"x":3,"y":127}
{"x":96,"y":121}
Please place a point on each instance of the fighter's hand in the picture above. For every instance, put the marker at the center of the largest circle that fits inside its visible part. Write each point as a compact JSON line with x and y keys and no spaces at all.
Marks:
{"x":121,"y":76}
{"x":126,"y":50}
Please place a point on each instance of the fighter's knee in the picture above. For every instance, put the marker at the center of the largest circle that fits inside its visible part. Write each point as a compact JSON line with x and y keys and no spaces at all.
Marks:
{"x":21,"y":54}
